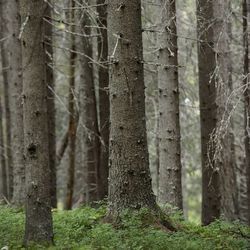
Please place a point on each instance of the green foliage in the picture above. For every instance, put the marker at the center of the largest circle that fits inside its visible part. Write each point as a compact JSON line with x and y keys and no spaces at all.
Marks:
{"x":84,"y":229}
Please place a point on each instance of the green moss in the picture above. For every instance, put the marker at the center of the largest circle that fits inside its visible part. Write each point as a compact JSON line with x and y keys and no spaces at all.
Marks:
{"x":84,"y":229}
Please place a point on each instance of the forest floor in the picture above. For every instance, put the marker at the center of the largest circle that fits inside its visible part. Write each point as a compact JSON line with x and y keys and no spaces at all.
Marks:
{"x":84,"y":229}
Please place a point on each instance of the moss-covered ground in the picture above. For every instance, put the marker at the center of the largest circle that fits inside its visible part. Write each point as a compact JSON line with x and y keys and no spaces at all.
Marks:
{"x":84,"y":228}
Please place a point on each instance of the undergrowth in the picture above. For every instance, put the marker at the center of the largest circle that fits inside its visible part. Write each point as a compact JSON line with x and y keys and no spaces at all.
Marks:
{"x":84,"y":229}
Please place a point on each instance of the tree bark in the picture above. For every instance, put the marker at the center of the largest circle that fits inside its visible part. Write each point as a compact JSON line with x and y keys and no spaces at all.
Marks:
{"x":14,"y":73}
{"x":103,"y":100}
{"x":208,"y":115}
{"x":170,"y":189}
{"x":72,"y":113}
{"x":38,"y":226}
{"x":51,"y":104}
{"x":88,"y":114}
{"x":130,"y":182}
{"x":246,"y":34}
{"x":5,"y":68}
{"x":4,"y":187}
{"x":225,"y":160}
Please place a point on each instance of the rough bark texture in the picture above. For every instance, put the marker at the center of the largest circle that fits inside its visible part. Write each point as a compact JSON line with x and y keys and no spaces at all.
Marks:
{"x":246,"y":32}
{"x":51,"y":104}
{"x":130,"y":182}
{"x":3,"y":178}
{"x":208,"y":115}
{"x":38,"y":227}
{"x":14,"y":73}
{"x":225,"y":161}
{"x":72,"y":112}
{"x":103,"y":100}
{"x":88,"y":114}
{"x":170,"y":190}
{"x":5,"y":68}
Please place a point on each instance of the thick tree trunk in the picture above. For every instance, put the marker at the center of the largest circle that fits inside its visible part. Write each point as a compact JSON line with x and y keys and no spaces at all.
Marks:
{"x":88,"y":115}
{"x":51,"y":104}
{"x":208,"y":115}
{"x":130,"y":182}
{"x":14,"y":73}
{"x":246,"y":33}
{"x":170,"y":190}
{"x":103,"y":100}
{"x":3,"y":178}
{"x":224,"y":154}
{"x":72,"y":114}
{"x":5,"y":68}
{"x":38,"y":227}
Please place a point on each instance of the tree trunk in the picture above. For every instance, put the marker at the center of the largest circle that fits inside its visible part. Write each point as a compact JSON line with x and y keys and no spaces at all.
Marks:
{"x":170,"y":190}
{"x":38,"y":227}
{"x":3,"y":178}
{"x":5,"y":68}
{"x":130,"y":182}
{"x":225,"y":160}
{"x":103,"y":99}
{"x":88,"y":114}
{"x":208,"y":115}
{"x":51,"y":104}
{"x":14,"y":73}
{"x":246,"y":33}
{"x":72,"y":112}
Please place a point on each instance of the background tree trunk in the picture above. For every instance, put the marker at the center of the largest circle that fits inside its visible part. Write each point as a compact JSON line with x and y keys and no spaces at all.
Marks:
{"x":88,"y":113}
{"x":14,"y":73}
{"x":103,"y":99}
{"x":38,"y":227}
{"x":51,"y":104}
{"x":72,"y":112}
{"x":4,"y":187}
{"x":246,"y":33}
{"x":130,"y":182}
{"x":170,"y":189}
{"x":208,"y":115}
{"x":224,"y":154}
{"x":5,"y":68}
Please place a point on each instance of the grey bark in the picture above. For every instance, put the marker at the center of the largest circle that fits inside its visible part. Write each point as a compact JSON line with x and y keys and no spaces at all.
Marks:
{"x":51,"y":104}
{"x":170,"y":189}
{"x":246,"y":33}
{"x":3,"y":178}
{"x":72,"y":113}
{"x":38,"y":226}
{"x":104,"y":112}
{"x":88,"y":122}
{"x":208,"y":115}
{"x":14,"y":73}
{"x":5,"y":67}
{"x":226,"y":157}
{"x":130,"y":182}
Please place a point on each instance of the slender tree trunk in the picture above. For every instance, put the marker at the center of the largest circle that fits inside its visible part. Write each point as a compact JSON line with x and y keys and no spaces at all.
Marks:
{"x":72,"y":112}
{"x":51,"y":104}
{"x":62,"y":148}
{"x":246,"y":33}
{"x":208,"y":115}
{"x":4,"y":187}
{"x":225,"y":160}
{"x":14,"y":73}
{"x":5,"y":68}
{"x":170,"y":190}
{"x":88,"y":114}
{"x":103,"y":100}
{"x":130,"y":182}
{"x":38,"y":227}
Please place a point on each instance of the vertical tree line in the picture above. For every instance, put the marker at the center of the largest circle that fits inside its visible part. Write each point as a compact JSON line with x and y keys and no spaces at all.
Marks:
{"x":85,"y":69}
